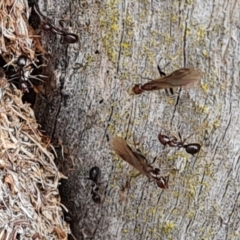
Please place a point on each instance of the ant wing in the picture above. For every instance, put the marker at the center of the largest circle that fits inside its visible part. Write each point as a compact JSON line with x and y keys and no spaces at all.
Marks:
{"x":183,"y":77}
{"x":180,"y":73}
{"x":179,"y":78}
{"x":135,"y":159}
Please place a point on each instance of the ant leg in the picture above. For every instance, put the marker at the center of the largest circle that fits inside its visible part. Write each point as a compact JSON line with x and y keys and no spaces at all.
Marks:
{"x":145,"y":77}
{"x":164,"y":74}
{"x":38,"y":12}
{"x":96,"y":198}
{"x":187,"y":137}
{"x":171,"y":91}
{"x":39,"y":79}
{"x":160,"y":71}
{"x":154,"y":159}
{"x":14,"y":77}
{"x":44,"y":60}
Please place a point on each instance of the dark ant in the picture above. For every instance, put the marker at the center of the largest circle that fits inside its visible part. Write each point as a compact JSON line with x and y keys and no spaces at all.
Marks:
{"x":66,"y":37}
{"x":23,"y":79}
{"x":138,"y":161}
{"x":191,"y":148}
{"x":94,"y":174}
{"x":95,"y":197}
{"x":23,"y":74}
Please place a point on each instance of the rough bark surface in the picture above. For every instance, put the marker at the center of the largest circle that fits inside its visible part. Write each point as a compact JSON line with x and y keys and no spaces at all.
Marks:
{"x":88,"y":101}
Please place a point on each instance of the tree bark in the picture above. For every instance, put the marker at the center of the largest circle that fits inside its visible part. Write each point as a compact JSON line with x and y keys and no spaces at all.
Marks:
{"x":88,"y":102}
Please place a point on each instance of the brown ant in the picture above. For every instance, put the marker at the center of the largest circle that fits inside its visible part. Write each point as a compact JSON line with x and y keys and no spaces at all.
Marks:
{"x":179,"y":78}
{"x":66,"y":37}
{"x":138,"y":161}
{"x":191,"y":148}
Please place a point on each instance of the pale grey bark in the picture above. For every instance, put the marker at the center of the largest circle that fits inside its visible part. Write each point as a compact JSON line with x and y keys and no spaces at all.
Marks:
{"x":90,"y":100}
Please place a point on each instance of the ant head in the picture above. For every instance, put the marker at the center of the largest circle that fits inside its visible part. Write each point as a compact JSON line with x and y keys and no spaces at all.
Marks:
{"x":94,"y":188}
{"x":96,"y":198}
{"x":174,"y":142}
{"x":155,"y":173}
{"x":163,"y":139}
{"x":24,"y":87}
{"x":137,"y":89}
{"x":69,"y":38}
{"x":94,"y":174}
{"x":162,"y":182}
{"x":46,"y":26}
{"x":22,"y":61}
{"x":192,"y":148}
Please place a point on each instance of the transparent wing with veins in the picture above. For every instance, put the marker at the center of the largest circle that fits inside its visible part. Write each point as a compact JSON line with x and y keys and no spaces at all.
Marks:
{"x":179,"y":78}
{"x":137,"y":160}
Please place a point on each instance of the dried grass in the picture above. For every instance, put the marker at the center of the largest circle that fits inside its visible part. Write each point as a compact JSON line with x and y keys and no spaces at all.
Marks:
{"x":29,"y":198}
{"x":30,"y":205}
{"x":17,"y":37}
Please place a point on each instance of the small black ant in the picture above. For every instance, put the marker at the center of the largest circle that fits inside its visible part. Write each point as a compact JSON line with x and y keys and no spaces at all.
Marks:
{"x":191,"y":148}
{"x":67,"y":37}
{"x":94,"y":175}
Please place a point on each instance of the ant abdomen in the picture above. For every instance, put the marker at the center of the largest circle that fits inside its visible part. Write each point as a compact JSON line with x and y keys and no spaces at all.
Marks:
{"x":192,"y":148}
{"x":94,"y":174}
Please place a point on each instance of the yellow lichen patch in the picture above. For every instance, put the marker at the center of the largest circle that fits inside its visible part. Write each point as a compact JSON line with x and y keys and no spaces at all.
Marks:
{"x":119,"y":165}
{"x":154,"y":32}
{"x":206,"y":109}
{"x":170,"y":101}
{"x":152,"y":210}
{"x":126,"y":45}
{"x":89,"y":59}
{"x":235,"y":234}
{"x":134,"y":173}
{"x":168,"y":39}
{"x":206,"y":185}
{"x":191,"y":189}
{"x":114,"y":27}
{"x":177,"y":155}
{"x":188,"y":31}
{"x":129,"y":21}
{"x":174,"y":18}
{"x":137,"y":230}
{"x":127,"y":53}
{"x":152,"y":230}
{"x":201,"y":32}
{"x":208,"y":170}
{"x":190,"y":214}
{"x":216,"y":123}
{"x":190,"y":2}
{"x":204,"y":86}
{"x":176,"y":194}
{"x":168,"y":227}
{"x":205,"y":53}
{"x":201,"y":109}
{"x":109,"y":23}
{"x":111,"y":128}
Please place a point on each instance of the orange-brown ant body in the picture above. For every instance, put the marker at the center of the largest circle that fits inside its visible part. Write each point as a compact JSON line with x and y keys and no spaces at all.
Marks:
{"x":138,"y":161}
